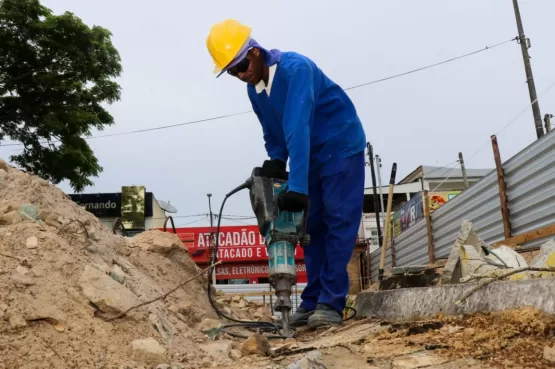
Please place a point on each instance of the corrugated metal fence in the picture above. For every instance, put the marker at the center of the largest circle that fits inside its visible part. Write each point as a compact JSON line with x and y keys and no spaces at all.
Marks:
{"x":530,"y":182}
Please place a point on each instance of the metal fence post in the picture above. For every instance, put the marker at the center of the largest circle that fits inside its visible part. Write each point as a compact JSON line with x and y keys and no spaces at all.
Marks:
{"x":502,"y":188}
{"x":429,"y":230}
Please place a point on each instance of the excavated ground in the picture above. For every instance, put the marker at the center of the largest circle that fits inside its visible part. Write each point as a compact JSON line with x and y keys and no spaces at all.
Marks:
{"x":63,"y":275}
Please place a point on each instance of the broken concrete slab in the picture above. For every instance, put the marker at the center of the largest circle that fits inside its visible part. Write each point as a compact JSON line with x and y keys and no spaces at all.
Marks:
{"x":472,"y":263}
{"x":426,"y":302}
{"x":467,"y":236}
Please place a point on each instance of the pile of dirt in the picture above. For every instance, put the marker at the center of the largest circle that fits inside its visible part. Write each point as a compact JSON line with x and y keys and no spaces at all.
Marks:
{"x":63,"y":275}
{"x":512,"y":339}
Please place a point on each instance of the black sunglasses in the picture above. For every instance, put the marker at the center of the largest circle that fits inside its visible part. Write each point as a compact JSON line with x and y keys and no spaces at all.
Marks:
{"x":240,"y":67}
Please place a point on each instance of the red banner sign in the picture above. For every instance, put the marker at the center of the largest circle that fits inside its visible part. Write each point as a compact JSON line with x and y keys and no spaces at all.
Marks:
{"x":253,"y":271}
{"x":235,"y":243}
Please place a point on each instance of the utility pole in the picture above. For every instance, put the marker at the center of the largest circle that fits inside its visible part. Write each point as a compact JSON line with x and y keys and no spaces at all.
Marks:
{"x":212,"y":237}
{"x":524,"y":46}
{"x":376,"y":204}
{"x":379,"y":165}
{"x":463,"y":170}
{"x":547,"y":120}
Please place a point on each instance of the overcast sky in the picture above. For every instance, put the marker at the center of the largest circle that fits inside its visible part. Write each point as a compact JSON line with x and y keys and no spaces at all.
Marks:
{"x":424,"y":118}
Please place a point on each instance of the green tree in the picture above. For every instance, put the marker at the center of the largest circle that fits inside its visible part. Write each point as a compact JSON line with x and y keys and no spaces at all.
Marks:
{"x":55,"y":72}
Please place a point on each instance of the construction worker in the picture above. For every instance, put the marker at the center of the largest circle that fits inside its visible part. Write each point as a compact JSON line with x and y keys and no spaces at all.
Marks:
{"x":308,"y":119}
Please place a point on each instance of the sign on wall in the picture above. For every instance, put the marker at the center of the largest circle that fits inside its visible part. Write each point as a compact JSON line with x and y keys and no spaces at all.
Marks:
{"x":437,"y":199}
{"x":236,"y":243}
{"x":251,"y":270}
{"x":133,"y":207}
{"x":107,"y":205}
{"x":407,"y":216}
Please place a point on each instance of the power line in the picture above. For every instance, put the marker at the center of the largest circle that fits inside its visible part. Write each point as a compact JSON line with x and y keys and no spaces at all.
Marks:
{"x":545,"y":92}
{"x":431,"y":65}
{"x":194,"y":221}
{"x":250,"y":111}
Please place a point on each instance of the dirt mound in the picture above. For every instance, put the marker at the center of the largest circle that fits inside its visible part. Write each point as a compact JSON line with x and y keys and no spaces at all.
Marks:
{"x":62,"y":272}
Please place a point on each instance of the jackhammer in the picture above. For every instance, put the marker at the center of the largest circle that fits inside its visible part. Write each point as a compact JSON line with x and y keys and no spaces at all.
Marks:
{"x":282,"y":231}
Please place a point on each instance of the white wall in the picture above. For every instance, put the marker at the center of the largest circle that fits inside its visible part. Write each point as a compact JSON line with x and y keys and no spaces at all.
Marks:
{"x":368,"y":228}
{"x":158,"y":216}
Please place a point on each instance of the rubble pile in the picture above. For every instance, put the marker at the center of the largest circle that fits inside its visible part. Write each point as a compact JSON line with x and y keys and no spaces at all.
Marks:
{"x":471,"y":259}
{"x":240,"y":308}
{"x":64,"y":276}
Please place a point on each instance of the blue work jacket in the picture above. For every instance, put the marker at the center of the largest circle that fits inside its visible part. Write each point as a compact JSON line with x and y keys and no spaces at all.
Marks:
{"x":307,"y":119}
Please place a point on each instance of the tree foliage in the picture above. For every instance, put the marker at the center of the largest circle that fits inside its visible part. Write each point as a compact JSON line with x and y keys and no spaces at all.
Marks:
{"x":55,"y":72}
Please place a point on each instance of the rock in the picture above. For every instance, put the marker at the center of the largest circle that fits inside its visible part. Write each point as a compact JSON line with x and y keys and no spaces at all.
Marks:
{"x":242,"y":304}
{"x":217,"y":348}
{"x":4,"y":165}
{"x":417,"y":360}
{"x":32,"y":242}
{"x":117,"y":274}
{"x":164,"y":366}
{"x":148,"y":350}
{"x":93,"y":235}
{"x":210,"y":327}
{"x":105,"y":293}
{"x":28,"y":211}
{"x":235,"y":354}
{"x":24,"y":280}
{"x":11,"y":218}
{"x":236,"y":299}
{"x":3,"y":175}
{"x":177,"y":366}
{"x":549,"y":354}
{"x":158,"y":242}
{"x":206,"y":362}
{"x":163,"y":326}
{"x":16,"y":321}
{"x":21,"y":269}
{"x":256,"y":345}
{"x":310,"y":361}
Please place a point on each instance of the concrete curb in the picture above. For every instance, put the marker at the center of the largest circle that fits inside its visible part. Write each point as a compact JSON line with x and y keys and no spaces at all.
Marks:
{"x":426,"y":302}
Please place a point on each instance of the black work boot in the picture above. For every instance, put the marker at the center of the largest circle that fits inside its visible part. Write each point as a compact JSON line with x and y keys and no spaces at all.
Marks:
{"x":300,"y":318}
{"x":324,"y":316}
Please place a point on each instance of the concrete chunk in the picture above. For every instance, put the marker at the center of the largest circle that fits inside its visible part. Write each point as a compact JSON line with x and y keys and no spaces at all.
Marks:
{"x":426,"y":302}
{"x":467,"y":236}
{"x":105,"y":293}
{"x":546,"y":256}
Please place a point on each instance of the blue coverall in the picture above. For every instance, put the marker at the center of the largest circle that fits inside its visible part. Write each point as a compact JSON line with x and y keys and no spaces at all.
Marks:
{"x":310,"y":120}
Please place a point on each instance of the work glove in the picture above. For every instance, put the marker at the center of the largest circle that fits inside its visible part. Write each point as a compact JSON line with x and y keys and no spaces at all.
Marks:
{"x":292,"y":201}
{"x":274,"y":169}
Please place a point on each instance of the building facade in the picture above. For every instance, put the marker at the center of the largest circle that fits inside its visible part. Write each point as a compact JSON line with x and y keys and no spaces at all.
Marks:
{"x":134,"y":208}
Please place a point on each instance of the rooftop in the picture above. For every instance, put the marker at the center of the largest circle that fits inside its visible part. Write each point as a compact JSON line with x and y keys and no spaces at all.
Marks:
{"x":431,"y":172}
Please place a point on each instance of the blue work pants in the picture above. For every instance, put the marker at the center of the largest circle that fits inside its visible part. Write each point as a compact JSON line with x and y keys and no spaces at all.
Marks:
{"x":336,"y":197}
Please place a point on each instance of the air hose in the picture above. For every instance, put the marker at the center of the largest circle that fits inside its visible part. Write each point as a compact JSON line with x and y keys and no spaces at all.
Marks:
{"x":262,"y":327}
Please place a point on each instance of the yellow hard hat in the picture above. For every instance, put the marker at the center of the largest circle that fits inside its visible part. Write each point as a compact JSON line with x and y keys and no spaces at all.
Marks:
{"x":225,"y":40}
